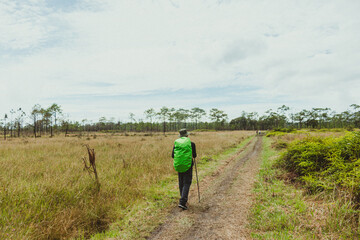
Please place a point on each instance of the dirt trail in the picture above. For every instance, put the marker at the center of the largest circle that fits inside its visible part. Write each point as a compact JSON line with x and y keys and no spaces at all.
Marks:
{"x":226,"y":200}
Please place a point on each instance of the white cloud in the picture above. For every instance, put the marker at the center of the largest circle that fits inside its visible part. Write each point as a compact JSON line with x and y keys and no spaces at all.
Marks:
{"x":21,"y":26}
{"x":299,"y":52}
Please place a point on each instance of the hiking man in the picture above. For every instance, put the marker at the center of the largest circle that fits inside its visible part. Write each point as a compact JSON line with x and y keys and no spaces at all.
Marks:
{"x":183,"y":153}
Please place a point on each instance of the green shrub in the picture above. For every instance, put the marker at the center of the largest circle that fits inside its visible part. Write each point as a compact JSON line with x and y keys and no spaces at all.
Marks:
{"x":280,"y":131}
{"x":271,"y":134}
{"x":280,"y":145}
{"x":350,"y":128}
{"x":326,"y":163}
{"x":337,"y":130}
{"x":286,"y":130}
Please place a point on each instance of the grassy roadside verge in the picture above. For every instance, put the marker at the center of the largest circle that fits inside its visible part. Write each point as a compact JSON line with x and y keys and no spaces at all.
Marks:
{"x":146,"y":214}
{"x":278,"y":207}
{"x":284,"y":211}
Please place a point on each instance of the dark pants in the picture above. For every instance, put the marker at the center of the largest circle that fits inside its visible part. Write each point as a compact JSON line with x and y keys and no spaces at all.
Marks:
{"x":185,"y":180}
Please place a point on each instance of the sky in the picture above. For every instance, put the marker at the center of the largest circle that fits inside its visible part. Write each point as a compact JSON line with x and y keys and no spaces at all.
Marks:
{"x":109,"y":58}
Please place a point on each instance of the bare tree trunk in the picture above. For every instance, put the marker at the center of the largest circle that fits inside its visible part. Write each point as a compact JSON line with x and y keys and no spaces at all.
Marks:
{"x":164,"y":127}
{"x":55,"y":119}
{"x":35,"y":128}
{"x":66,"y":129}
{"x":18,"y":129}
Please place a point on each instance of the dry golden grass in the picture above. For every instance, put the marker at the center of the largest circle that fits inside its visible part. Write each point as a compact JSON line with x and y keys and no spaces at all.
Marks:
{"x":45,"y":194}
{"x":299,"y":136}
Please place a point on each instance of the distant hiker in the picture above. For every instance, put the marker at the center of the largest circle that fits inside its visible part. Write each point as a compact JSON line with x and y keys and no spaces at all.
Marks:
{"x":183,"y":153}
{"x":257,"y":132}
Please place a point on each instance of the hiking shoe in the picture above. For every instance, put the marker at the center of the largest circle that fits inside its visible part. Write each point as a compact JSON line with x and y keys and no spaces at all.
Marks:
{"x":183,"y":207}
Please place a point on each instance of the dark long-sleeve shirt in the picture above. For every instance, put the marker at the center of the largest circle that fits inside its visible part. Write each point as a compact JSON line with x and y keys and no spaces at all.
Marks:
{"x":193,"y":148}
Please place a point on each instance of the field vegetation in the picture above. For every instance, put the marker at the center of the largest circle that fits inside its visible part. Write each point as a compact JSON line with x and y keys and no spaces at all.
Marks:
{"x":326,"y":163}
{"x":46,"y":194}
{"x":308,"y":186}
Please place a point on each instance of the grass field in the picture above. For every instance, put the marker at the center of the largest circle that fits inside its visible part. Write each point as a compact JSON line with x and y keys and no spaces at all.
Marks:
{"x":45,"y":194}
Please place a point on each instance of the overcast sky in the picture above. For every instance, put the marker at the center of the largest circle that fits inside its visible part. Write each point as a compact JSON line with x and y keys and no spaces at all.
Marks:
{"x":110,"y":57}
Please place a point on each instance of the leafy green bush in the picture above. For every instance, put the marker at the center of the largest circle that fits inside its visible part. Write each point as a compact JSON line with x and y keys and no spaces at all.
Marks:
{"x":326,"y":163}
{"x":350,"y":128}
{"x":280,"y":144}
{"x":286,"y":130}
{"x":327,"y":130}
{"x":271,"y":134}
{"x":280,"y":132}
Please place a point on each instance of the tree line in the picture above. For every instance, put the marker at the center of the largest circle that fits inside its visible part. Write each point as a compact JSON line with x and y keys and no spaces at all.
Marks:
{"x":283,"y":117}
{"x":42,"y":121}
{"x":52,"y":120}
{"x":48,"y":121}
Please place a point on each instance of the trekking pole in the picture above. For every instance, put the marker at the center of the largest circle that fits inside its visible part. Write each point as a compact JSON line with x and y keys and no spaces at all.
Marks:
{"x":197,"y":179}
